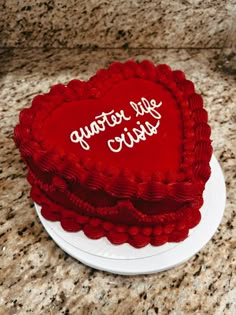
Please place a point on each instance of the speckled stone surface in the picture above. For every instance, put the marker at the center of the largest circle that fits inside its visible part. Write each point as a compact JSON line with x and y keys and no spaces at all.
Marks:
{"x":36,"y":276}
{"x":102,"y":23}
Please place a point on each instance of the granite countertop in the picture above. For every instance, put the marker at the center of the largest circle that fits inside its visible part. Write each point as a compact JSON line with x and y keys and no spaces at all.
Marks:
{"x":36,"y":276}
{"x":139,"y":23}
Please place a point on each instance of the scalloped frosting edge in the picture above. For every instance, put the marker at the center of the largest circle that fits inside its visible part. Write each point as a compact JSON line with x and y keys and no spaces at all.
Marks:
{"x":120,"y":183}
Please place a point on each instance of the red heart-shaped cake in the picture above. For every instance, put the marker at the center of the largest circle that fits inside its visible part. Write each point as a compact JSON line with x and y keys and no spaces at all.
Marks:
{"x":124,"y":155}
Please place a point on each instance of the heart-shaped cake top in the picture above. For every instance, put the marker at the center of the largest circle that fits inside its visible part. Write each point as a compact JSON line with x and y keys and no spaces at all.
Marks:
{"x":135,"y":124}
{"x":124,"y":155}
{"x":126,"y":125}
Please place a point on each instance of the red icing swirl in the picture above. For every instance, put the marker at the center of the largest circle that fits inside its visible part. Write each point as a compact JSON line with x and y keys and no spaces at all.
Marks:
{"x":139,"y":240}
{"x":203,"y":146}
{"x":195,"y":101}
{"x":121,"y":187}
{"x":149,"y":69}
{"x":27,"y":149}
{"x":78,"y":87}
{"x":187,"y":87}
{"x":93,"y":232}
{"x":58,"y":89}
{"x":72,"y":173}
{"x":94,"y":180}
{"x":21,"y":133}
{"x":26,"y":115}
{"x":202,"y":170}
{"x":159,"y":240}
{"x":46,"y":162}
{"x":164,"y":70}
{"x":200,"y":115}
{"x":178,"y":75}
{"x":152,"y":191}
{"x":202,"y":131}
{"x":59,"y":183}
{"x":178,"y":236}
{"x":117,"y":237}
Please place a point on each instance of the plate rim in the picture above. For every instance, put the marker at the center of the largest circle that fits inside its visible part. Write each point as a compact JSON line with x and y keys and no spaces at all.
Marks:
{"x":145,"y":265}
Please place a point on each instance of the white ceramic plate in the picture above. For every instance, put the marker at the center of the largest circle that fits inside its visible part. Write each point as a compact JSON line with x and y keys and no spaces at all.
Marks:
{"x":127,"y":260}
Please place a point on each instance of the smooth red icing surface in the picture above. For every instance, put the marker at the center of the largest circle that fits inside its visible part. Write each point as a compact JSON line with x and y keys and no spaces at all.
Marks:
{"x":144,"y":187}
{"x":159,"y":152}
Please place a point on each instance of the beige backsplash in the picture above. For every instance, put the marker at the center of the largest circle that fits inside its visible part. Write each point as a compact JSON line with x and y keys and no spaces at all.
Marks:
{"x":113,"y":24}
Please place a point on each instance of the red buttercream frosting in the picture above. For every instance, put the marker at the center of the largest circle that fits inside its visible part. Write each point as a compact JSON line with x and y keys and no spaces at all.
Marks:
{"x":124,"y":155}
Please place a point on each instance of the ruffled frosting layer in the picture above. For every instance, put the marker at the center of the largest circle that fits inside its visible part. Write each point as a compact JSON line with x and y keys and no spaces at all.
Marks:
{"x":136,"y":235}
